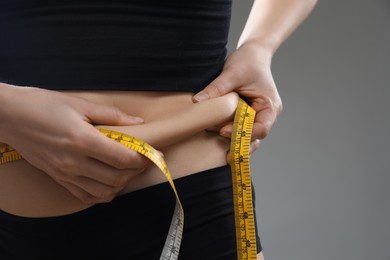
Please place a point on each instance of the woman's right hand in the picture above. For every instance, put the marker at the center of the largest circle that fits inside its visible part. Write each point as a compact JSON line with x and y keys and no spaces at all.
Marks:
{"x":55,"y":132}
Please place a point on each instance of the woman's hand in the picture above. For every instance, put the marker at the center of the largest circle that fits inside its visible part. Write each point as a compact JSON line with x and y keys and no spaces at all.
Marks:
{"x":54,"y":132}
{"x":247,"y":71}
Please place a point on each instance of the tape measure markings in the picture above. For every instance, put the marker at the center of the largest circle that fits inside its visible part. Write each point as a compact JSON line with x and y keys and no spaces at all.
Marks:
{"x":172,"y":243}
{"x":241,"y":179}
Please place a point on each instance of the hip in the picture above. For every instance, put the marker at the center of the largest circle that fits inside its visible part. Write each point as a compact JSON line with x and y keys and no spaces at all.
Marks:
{"x":209,"y":227}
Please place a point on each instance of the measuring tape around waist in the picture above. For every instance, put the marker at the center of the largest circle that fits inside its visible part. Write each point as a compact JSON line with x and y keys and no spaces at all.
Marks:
{"x":241,"y":180}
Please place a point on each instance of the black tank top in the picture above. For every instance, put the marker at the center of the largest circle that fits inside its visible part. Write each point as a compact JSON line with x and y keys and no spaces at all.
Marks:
{"x":157,"y":45}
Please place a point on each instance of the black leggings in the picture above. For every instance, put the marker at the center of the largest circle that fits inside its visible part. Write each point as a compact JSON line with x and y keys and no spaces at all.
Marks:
{"x":133,"y":226}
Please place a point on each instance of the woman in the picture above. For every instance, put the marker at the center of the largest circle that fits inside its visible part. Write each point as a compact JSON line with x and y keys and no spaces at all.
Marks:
{"x":132,"y":67}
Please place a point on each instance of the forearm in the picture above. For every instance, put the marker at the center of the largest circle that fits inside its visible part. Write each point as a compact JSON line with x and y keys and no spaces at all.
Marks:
{"x":271,"y":22}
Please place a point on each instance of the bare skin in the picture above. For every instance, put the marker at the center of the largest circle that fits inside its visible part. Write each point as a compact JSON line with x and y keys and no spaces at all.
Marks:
{"x":169,"y":126}
{"x":247,"y":71}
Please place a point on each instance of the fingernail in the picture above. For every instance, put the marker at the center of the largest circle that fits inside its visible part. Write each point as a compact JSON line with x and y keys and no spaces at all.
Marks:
{"x":201,"y":96}
{"x":225,"y":134}
{"x":137,"y":119}
{"x":226,"y":131}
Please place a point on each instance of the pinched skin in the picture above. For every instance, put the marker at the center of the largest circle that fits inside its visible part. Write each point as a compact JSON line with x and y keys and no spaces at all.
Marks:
{"x":173,"y":124}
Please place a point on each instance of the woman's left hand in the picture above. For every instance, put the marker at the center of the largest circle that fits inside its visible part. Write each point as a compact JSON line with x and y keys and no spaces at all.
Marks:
{"x":247,"y":71}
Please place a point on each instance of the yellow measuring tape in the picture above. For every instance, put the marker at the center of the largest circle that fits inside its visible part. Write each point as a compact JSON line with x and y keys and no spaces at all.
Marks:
{"x":242,"y":185}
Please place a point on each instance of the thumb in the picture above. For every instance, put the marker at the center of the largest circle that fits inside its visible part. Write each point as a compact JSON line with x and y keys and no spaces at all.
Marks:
{"x":110,"y":115}
{"x":223,"y":84}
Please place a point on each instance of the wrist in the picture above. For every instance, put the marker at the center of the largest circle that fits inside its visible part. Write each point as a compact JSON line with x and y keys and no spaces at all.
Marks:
{"x":258,"y":51}
{"x":264,"y":44}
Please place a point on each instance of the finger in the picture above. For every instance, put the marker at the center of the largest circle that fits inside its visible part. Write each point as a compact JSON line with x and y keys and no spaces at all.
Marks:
{"x":217,"y":128}
{"x":228,"y":159}
{"x":213,"y":129}
{"x":113,"y":153}
{"x":226,"y":82}
{"x":97,"y":191}
{"x":104,"y":174}
{"x":264,"y":121}
{"x":254,"y":146}
{"x":267,"y":112}
{"x":109,"y":115}
{"x":227,"y":130}
{"x":80,"y":194}
{"x":96,"y":181}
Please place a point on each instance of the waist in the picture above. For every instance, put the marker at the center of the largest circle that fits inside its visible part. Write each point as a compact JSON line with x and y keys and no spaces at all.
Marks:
{"x":194,"y":149}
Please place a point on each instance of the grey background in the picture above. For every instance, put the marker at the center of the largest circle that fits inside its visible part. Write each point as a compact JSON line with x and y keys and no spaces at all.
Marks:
{"x":322,"y":175}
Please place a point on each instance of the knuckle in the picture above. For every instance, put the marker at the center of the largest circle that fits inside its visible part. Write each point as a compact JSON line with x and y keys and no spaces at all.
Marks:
{"x":267,"y":102}
{"x":119,"y":181}
{"x":87,"y":198}
{"x":217,"y":91}
{"x":108,"y":199}
{"x":68,"y":165}
{"x":106,"y":195}
{"x":122,"y":161}
{"x":131,"y":159}
{"x":263,"y":134}
{"x":263,"y":131}
{"x":123,"y":178}
{"x":278,"y":104}
{"x":280,"y":107}
{"x":102,"y":196}
{"x":78,"y":140}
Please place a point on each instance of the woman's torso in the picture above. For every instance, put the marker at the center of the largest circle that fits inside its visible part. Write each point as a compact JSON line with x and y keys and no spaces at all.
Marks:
{"x":25,"y":190}
{"x":147,"y":47}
